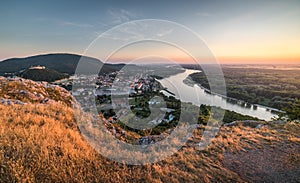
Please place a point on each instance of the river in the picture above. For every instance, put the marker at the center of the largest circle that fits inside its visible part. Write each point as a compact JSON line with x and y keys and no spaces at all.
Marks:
{"x":197,"y":95}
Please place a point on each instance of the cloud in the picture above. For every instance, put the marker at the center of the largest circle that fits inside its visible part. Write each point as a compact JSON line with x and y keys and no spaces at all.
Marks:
{"x":120,"y":16}
{"x":114,"y":17}
{"x":135,"y":31}
{"x":62,"y":22}
{"x":74,"y":24}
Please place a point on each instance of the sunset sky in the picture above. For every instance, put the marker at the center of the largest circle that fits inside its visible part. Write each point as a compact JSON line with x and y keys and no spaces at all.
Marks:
{"x":235,"y":31}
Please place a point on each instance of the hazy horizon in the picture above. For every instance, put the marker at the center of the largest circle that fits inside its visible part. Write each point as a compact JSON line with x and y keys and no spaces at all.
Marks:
{"x":156,"y":63}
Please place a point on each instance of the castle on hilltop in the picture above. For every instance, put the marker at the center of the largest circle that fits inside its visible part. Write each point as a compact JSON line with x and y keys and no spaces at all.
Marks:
{"x":38,"y":67}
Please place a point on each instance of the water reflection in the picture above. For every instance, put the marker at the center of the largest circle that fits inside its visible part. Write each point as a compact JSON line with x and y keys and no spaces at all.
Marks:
{"x":195,"y":94}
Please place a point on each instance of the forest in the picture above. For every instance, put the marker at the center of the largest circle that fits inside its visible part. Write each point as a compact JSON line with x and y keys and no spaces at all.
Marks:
{"x":269,"y":87}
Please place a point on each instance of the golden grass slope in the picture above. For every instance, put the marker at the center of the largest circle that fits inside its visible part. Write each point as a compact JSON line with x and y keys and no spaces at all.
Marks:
{"x":40,"y":143}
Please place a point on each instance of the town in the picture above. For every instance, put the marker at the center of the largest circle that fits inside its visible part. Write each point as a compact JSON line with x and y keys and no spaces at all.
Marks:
{"x":126,"y":100}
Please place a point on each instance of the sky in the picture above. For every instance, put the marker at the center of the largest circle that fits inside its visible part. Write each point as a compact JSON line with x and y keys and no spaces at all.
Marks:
{"x":236,"y":31}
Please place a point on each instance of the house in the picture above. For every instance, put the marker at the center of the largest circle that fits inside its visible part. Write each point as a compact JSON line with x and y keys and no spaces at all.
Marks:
{"x":139,"y":86}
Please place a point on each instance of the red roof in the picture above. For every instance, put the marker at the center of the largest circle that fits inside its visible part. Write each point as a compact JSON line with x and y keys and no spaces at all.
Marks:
{"x":139,"y":86}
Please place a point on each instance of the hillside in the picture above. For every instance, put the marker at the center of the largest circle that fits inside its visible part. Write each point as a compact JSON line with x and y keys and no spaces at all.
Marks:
{"x":40,"y":142}
{"x":45,"y":74}
{"x":61,"y":62}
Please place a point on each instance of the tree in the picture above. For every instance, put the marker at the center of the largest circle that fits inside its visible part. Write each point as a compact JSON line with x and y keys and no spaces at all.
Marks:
{"x":293,"y":112}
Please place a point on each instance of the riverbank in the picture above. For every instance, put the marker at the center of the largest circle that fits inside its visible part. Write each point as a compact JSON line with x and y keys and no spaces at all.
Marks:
{"x":189,"y":80}
{"x":189,"y":91}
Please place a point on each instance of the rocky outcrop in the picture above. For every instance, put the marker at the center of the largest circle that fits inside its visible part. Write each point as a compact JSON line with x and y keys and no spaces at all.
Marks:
{"x":22,"y":91}
{"x":247,"y":123}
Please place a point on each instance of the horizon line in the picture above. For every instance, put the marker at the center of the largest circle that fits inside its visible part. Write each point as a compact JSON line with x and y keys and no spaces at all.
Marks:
{"x":221,"y":60}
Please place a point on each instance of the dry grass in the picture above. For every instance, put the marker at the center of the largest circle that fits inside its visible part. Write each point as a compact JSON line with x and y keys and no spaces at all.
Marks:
{"x":38,"y":142}
{"x":41,"y":143}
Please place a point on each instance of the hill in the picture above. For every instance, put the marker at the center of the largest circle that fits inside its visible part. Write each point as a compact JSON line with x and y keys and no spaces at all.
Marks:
{"x":61,"y":62}
{"x":40,"y":142}
{"x":44,"y":74}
